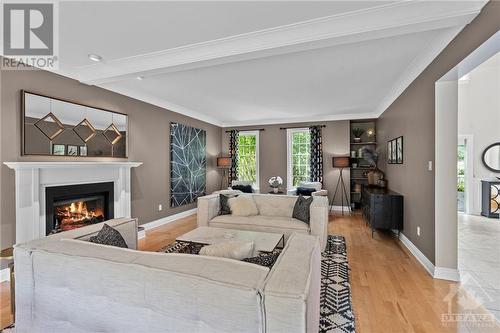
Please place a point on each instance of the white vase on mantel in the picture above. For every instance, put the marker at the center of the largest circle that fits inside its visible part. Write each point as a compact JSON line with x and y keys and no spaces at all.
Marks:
{"x":275,"y":189}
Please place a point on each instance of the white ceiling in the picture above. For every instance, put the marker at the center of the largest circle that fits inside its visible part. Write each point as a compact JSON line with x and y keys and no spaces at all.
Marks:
{"x":247,"y":63}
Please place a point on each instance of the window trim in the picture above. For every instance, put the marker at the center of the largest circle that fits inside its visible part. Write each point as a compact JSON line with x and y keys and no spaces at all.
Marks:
{"x":289,"y":159}
{"x":257,"y":153}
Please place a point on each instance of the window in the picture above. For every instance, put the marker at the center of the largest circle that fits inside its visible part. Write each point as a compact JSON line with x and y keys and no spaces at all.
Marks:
{"x":248,"y":156}
{"x":298,"y":151}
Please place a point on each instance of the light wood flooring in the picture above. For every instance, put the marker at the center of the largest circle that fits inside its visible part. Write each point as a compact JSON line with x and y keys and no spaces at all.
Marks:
{"x":391,"y":292}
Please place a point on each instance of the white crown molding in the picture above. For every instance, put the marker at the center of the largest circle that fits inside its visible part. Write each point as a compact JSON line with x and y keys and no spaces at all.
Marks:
{"x":376,"y":22}
{"x":63,"y":164}
{"x":304,"y":119}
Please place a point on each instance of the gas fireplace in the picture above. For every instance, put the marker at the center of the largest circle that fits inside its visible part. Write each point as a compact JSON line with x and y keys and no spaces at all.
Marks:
{"x":75,"y":206}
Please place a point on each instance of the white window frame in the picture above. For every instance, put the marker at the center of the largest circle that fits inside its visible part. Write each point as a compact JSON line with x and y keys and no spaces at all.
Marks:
{"x":289,"y":159}
{"x":257,"y":153}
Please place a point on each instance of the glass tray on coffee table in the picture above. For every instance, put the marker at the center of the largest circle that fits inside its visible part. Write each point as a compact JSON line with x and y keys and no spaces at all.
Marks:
{"x":263,"y":241}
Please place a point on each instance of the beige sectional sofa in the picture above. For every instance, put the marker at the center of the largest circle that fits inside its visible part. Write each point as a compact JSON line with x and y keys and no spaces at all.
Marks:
{"x":66,"y":284}
{"x":275,"y":215}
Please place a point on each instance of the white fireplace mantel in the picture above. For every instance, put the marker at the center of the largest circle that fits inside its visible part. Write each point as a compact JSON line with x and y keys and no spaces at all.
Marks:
{"x":32,"y":178}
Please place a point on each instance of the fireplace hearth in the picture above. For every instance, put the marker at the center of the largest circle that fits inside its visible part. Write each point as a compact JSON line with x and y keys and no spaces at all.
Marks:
{"x":75,"y":206}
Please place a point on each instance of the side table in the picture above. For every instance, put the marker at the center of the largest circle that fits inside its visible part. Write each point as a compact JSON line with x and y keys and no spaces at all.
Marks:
{"x":8,"y":255}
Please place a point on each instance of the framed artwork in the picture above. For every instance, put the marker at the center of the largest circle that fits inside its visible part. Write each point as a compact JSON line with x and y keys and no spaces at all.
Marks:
{"x":188,"y":164}
{"x":72,"y":150}
{"x":395,"y":151}
{"x":59,"y":150}
{"x":399,"y":150}
{"x":83,"y":150}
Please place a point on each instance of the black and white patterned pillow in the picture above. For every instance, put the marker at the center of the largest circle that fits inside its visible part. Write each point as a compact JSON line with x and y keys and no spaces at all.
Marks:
{"x":109,"y":236}
{"x":224,"y":203}
{"x":301,"y":209}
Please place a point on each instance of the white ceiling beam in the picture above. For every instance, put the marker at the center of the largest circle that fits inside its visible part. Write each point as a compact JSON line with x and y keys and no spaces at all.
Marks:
{"x":377,"y":22}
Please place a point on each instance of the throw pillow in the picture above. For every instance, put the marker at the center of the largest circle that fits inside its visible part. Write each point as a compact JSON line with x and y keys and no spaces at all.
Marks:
{"x":243,"y":188}
{"x":224,"y":204}
{"x":243,"y":206}
{"x":266,"y":260}
{"x":109,"y":236}
{"x":301,"y":209}
{"x":307,"y":191}
{"x":232,"y":250}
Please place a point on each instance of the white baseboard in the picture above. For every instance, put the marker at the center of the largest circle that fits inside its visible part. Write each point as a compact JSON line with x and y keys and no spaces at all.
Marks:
{"x":421,"y":258}
{"x":165,"y":220}
{"x":4,"y":275}
{"x":442,"y":273}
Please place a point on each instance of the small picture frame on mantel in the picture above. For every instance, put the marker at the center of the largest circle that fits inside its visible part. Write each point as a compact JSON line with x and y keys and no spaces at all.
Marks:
{"x":395,"y":151}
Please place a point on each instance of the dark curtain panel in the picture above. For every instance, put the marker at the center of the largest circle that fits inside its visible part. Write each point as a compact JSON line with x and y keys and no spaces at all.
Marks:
{"x":316,"y":154}
{"x":233,"y":153}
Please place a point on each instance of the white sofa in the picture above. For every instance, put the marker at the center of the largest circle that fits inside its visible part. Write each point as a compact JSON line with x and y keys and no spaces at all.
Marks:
{"x":319,"y":191}
{"x":275,"y":215}
{"x":65,"y":284}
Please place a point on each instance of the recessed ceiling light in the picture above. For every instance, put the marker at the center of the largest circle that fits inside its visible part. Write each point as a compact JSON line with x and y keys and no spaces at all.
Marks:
{"x":140,"y":78}
{"x":95,"y":57}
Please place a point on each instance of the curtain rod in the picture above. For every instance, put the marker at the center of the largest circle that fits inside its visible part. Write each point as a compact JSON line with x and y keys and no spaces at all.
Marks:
{"x":284,"y":128}
{"x":244,"y":130}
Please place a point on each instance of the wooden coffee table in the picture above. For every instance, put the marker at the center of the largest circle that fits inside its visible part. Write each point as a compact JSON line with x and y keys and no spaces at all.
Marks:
{"x":263,"y":241}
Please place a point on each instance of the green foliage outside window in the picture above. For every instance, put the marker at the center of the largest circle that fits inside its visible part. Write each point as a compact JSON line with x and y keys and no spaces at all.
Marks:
{"x":461,"y":168}
{"x":247,"y":157}
{"x":301,"y":151}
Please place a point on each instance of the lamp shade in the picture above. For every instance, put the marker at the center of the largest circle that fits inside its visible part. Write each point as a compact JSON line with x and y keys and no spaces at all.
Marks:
{"x":223,"y":162}
{"x":341,"y":161}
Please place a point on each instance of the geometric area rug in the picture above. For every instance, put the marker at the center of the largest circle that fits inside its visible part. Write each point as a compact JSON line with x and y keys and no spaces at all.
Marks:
{"x":336,"y":314}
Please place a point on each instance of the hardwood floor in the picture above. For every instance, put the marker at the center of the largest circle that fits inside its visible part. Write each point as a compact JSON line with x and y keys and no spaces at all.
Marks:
{"x":391,"y":292}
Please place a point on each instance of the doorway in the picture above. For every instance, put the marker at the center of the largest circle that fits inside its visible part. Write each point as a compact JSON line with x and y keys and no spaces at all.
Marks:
{"x":465,"y":174}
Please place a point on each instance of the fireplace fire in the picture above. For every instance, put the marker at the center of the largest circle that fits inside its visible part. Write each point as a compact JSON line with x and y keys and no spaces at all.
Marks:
{"x":76,"y":214}
{"x":74,"y":206}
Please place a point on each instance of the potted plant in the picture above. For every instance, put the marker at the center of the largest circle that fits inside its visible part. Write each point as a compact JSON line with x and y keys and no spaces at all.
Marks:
{"x":275,"y":183}
{"x":357,"y":132}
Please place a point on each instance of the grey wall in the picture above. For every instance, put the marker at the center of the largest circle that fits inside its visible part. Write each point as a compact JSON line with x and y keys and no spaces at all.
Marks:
{"x":148,"y":142}
{"x":413,"y":116}
{"x":273,"y":157}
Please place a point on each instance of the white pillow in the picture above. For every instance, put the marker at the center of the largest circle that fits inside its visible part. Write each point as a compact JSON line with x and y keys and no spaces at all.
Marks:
{"x":231,"y":249}
{"x":243,"y":205}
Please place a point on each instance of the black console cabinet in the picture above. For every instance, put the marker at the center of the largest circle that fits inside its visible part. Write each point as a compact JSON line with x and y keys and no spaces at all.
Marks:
{"x":382,"y":208}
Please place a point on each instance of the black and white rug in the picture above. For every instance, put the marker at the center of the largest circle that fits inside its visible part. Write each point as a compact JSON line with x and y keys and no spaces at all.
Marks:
{"x":336,"y":314}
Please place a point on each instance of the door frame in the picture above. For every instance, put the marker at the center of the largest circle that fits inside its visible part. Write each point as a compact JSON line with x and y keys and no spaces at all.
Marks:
{"x":468,"y":140}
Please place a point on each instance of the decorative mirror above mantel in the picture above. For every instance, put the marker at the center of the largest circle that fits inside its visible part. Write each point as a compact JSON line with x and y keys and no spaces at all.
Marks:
{"x":56,"y":127}
{"x":491,"y":157}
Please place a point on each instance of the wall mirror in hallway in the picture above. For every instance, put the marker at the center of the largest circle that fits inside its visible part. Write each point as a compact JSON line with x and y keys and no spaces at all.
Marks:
{"x":491,"y":157}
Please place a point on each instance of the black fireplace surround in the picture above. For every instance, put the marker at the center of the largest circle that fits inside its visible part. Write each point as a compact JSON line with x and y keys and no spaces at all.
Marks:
{"x":95,"y":194}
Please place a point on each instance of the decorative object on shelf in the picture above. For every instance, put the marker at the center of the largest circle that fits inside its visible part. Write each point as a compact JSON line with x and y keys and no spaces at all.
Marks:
{"x":395,"y":151}
{"x":49,"y":123}
{"x":59,"y":150}
{"x":188,"y":164}
{"x":341,"y":162}
{"x":491,"y":157}
{"x":375,"y":175}
{"x":357,"y":132}
{"x":354,"y":165}
{"x":357,"y":188}
{"x":275,"y":183}
{"x":353,"y":154}
{"x":360,"y":153}
{"x":490,"y":198}
{"x":224,"y":163}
